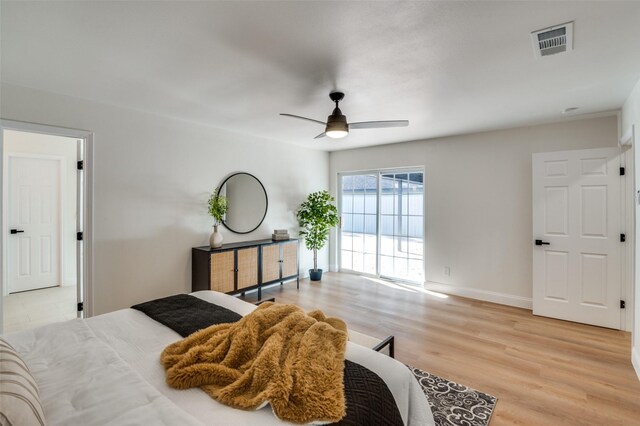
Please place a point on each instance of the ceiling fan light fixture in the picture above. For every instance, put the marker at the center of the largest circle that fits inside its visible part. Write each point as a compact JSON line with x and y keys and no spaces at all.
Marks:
{"x":336,"y":134}
{"x":337,"y":126}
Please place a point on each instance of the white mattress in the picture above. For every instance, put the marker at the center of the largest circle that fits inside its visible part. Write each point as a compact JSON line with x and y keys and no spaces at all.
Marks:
{"x":106,"y":371}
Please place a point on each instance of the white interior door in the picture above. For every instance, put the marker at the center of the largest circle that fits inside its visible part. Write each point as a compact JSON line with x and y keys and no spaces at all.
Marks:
{"x":34,"y":220}
{"x":576,"y":230}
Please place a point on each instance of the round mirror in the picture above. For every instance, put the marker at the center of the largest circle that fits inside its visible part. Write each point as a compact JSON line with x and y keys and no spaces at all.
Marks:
{"x":246,"y":200}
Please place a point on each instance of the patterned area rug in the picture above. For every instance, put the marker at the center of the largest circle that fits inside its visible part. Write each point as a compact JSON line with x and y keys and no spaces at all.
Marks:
{"x":454,"y":404}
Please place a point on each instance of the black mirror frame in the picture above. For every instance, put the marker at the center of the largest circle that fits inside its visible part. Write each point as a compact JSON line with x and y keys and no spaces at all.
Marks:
{"x":266,"y":199}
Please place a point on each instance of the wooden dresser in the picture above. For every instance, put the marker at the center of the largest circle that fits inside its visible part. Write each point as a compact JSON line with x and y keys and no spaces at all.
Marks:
{"x":238,"y":267}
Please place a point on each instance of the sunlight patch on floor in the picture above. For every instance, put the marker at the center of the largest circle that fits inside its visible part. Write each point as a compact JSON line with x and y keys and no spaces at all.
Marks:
{"x":406,"y":287}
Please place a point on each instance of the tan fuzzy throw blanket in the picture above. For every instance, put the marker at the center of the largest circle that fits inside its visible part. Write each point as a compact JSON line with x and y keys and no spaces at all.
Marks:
{"x":278,"y":354}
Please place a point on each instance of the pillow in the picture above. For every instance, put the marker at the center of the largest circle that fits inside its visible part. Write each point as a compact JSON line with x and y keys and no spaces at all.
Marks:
{"x":19,"y":400}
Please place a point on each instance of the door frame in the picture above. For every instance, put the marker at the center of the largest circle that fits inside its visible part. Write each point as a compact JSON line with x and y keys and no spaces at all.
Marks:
{"x":62,"y":163}
{"x":87,"y":139}
{"x":628,"y":200}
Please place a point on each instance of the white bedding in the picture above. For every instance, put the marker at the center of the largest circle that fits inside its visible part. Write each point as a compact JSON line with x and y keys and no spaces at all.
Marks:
{"x":106,"y":371}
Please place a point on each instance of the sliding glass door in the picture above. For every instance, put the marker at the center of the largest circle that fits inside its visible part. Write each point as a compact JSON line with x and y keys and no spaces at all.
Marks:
{"x":382,"y":230}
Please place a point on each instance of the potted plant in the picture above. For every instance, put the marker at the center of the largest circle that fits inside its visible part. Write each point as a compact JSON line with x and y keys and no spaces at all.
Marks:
{"x":316,"y":216}
{"x":217,"y":208}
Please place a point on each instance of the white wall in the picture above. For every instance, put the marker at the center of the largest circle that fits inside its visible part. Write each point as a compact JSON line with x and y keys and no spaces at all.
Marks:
{"x":152,"y":179}
{"x":631,"y":117}
{"x":478,"y":190}
{"x":35,"y":143}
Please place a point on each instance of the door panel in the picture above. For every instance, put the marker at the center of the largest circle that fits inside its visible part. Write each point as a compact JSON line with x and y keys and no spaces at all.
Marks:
{"x":289,"y":259}
{"x":556,"y":214}
{"x":594,"y":211}
{"x":35,"y":208}
{"x":556,"y":274}
{"x":46,"y":247}
{"x":593,"y":279}
{"x":222,"y":271}
{"x":576,"y":209}
{"x":358,"y":233}
{"x":270,"y":263}
{"x":402,"y":221}
{"x":247,"y":267}
{"x":24,"y":256}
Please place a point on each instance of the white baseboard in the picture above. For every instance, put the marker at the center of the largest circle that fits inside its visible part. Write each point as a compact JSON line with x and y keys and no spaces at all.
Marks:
{"x":635,"y":360}
{"x":487,"y":296}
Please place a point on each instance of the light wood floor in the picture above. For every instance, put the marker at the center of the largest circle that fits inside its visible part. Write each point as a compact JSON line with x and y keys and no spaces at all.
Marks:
{"x":34,"y":308}
{"x":543,"y":371}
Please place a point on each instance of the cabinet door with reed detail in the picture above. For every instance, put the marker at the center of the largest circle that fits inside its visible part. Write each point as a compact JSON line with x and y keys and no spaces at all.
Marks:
{"x":222,"y":271}
{"x":289,"y":258}
{"x":270,"y":262}
{"x":247,"y":267}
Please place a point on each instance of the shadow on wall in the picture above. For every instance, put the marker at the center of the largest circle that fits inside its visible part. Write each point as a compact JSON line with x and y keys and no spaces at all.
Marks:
{"x":148,"y":267}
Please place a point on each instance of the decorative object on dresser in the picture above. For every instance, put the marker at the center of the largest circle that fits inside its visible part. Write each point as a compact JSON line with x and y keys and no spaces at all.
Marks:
{"x":316,"y":216}
{"x":238,"y":267}
{"x":248,"y":202}
{"x":280,"y":235}
{"x":218,"y":206}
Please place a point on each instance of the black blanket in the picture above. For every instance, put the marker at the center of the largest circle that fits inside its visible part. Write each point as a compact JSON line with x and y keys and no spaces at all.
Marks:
{"x":368,"y":399}
{"x":186,"y":314}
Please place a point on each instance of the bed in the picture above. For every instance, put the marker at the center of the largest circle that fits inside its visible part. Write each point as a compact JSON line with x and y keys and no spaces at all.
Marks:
{"x":105,"y":370}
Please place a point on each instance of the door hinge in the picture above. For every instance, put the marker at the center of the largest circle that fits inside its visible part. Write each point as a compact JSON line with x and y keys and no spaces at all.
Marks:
{"x":622,"y":171}
{"x":80,"y":306}
{"x":79,"y":236}
{"x":622,"y":304}
{"x":623,"y":238}
{"x":80,"y":165}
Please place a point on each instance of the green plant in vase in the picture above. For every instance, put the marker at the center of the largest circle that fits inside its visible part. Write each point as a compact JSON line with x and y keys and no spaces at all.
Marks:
{"x":316,"y":216}
{"x":218,"y":206}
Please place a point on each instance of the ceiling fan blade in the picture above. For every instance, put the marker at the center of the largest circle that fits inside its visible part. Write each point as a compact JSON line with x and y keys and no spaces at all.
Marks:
{"x":378,"y":124}
{"x":305,"y":118}
{"x":321,"y":135}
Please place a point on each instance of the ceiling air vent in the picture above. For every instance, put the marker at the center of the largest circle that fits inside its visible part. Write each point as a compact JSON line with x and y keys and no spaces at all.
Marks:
{"x":552,"y":40}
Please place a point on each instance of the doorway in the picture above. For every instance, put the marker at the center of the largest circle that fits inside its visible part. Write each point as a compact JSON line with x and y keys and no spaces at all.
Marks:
{"x":382,"y":224}
{"x":43,"y":254}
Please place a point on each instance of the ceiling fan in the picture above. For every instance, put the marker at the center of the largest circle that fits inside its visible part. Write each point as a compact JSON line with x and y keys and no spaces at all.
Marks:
{"x":337,"y":127}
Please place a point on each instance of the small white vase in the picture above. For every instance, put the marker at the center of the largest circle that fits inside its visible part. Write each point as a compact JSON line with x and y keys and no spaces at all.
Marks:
{"x":215,"y":240}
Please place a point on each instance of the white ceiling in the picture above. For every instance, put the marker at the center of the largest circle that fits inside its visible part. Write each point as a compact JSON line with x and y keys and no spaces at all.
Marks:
{"x":448,"y":67}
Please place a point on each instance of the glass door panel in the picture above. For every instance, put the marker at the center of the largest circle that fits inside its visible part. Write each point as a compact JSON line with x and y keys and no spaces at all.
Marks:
{"x":359,"y":210}
{"x":402,"y":239}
